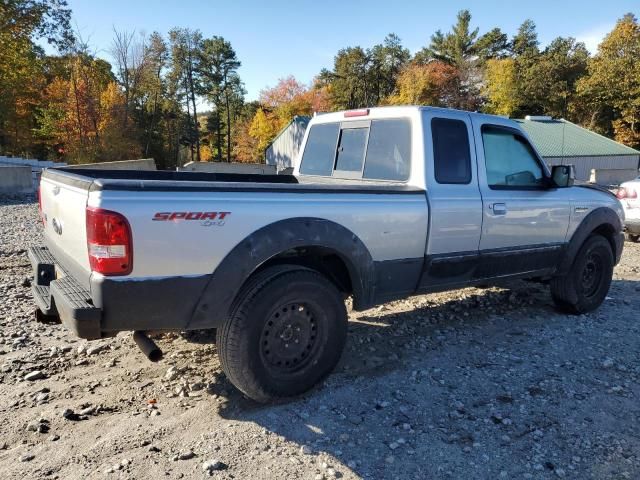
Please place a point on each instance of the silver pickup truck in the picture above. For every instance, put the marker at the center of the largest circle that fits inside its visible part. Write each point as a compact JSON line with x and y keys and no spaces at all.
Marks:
{"x":383,"y":203}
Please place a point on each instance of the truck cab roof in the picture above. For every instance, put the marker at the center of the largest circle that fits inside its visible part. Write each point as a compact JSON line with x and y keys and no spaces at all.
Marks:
{"x":405,"y":111}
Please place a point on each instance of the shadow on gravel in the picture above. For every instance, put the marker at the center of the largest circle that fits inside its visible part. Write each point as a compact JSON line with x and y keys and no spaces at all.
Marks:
{"x":401,"y":371}
{"x":17,"y":199}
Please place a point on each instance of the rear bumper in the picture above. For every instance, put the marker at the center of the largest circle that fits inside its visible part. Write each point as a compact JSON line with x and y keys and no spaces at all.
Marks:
{"x":63,"y":297}
{"x":113,"y":305}
{"x":632,"y":226}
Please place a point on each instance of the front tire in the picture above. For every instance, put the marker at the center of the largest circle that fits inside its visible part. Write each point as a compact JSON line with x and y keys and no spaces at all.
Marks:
{"x":286,"y":332}
{"x":586,"y":285}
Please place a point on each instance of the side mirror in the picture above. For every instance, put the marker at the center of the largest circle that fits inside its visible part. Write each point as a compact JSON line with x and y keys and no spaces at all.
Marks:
{"x":563,"y":175}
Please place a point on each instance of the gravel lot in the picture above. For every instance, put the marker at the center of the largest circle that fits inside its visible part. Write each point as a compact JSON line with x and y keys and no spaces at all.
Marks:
{"x":476,"y":383}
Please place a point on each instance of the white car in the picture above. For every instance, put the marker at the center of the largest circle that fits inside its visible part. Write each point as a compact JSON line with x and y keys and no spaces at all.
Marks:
{"x":629,"y":196}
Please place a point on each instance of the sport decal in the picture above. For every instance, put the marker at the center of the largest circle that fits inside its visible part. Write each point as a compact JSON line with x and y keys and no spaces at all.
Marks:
{"x":206,"y":219}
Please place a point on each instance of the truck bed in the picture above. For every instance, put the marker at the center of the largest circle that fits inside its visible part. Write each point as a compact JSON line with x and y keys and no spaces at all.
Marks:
{"x":163,"y":180}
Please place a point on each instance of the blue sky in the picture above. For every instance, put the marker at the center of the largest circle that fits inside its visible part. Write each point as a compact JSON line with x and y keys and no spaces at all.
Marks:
{"x":274,"y":39}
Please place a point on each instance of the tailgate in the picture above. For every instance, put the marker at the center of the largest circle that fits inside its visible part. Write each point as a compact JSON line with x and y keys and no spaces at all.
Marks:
{"x":64,"y":211}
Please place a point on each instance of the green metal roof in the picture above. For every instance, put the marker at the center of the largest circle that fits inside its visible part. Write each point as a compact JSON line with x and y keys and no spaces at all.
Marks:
{"x":561,"y":138}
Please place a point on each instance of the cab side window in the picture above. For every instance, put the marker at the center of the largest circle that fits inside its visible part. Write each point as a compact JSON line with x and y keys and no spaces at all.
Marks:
{"x":510,"y":160}
{"x":451,"y":155}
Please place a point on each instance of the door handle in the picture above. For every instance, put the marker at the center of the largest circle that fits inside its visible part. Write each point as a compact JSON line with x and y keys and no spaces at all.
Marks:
{"x":499,"y":208}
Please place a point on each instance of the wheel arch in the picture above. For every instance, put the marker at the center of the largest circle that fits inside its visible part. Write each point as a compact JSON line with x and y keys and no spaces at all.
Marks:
{"x":602,"y":221}
{"x":315,"y":243}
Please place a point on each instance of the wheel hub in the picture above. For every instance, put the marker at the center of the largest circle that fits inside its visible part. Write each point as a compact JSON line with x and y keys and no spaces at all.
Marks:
{"x":288,"y":336}
{"x":591,"y":275}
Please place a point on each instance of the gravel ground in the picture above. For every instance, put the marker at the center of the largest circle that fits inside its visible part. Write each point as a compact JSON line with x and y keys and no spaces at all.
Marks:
{"x":475,"y":383}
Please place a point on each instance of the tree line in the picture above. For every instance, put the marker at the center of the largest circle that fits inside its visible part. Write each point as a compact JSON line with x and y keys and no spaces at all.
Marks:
{"x":179,"y":97}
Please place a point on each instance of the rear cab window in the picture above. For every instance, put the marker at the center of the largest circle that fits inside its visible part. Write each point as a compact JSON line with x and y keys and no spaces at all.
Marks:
{"x":364,"y":149}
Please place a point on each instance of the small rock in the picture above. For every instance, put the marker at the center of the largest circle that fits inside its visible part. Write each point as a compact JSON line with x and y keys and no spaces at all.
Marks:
{"x":212,"y":466}
{"x":305,"y":450}
{"x":33,"y":427}
{"x":87,"y":411}
{"x":188,"y":455}
{"x":607,"y":363}
{"x":70,"y":414}
{"x":172,"y":374}
{"x":94,"y":349}
{"x":42,"y":397}
{"x":27,"y":457}
{"x":41,"y":426}
{"x":35,"y":375}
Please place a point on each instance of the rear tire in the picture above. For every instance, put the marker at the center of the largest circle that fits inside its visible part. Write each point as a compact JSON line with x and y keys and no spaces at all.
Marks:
{"x":585,"y":287}
{"x":633,"y":238}
{"x":286,"y":332}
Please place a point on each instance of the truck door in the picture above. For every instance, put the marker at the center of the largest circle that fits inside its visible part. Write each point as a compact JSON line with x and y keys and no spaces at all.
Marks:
{"x":455,"y":205}
{"x":524,"y":221}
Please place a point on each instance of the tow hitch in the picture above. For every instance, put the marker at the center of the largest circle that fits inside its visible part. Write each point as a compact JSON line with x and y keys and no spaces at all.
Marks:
{"x":44,"y":318}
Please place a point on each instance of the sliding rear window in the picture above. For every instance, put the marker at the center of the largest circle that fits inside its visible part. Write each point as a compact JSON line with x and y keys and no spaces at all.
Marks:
{"x":370,"y":149}
{"x":320,"y":150}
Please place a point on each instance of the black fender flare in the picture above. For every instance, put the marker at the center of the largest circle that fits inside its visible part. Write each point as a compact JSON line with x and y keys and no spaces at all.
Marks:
{"x":602,"y":216}
{"x":214,"y":304}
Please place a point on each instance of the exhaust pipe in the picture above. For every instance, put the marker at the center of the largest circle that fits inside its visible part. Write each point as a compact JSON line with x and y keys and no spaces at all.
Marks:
{"x":147,"y":346}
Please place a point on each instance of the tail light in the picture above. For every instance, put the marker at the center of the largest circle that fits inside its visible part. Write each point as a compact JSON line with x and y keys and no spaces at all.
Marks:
{"x":109,"y":242}
{"x":624,"y":193}
{"x":40,"y":205}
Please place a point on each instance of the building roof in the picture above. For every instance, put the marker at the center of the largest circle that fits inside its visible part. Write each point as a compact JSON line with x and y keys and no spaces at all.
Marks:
{"x":300,"y":119}
{"x":561,"y":138}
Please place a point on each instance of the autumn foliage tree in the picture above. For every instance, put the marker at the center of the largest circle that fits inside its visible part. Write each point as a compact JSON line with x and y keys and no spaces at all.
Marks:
{"x":179,"y":97}
{"x":501,"y":86}
{"x":277,"y":107}
{"x":22,"y":66}
{"x":612,"y":86}
{"x":83,"y":119}
{"x":435,"y":84}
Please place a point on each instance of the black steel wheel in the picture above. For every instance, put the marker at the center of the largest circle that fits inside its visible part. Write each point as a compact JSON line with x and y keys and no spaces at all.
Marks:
{"x":290,"y":338}
{"x":286,"y":333}
{"x":592,"y":273}
{"x":586,"y":285}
